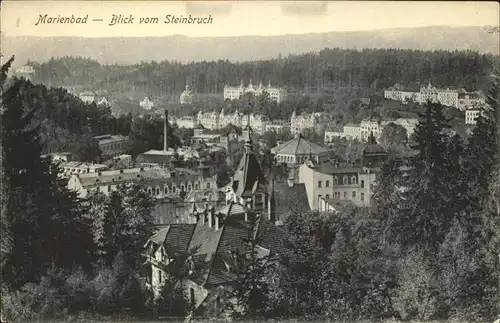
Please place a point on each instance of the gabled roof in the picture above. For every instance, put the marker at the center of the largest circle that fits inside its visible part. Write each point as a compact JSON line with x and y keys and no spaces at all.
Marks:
{"x":174,"y":238}
{"x":299,"y":146}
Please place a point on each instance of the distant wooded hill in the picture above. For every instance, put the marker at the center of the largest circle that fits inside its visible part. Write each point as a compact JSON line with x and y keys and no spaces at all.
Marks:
{"x":336,"y":68}
{"x":130,"y":50}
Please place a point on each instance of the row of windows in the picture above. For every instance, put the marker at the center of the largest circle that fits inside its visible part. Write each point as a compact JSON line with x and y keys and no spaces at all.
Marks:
{"x":345,"y":181}
{"x":167,"y":190}
{"x":336,"y":195}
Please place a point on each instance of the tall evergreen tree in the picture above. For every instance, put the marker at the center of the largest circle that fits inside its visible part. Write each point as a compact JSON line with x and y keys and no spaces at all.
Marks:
{"x":429,"y":219}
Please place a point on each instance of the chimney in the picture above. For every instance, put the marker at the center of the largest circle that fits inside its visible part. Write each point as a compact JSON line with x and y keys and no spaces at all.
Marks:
{"x":217,"y":224}
{"x":210,"y":218}
{"x":165,"y":125}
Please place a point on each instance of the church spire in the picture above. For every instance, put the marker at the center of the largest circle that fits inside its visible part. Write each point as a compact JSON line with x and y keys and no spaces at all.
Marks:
{"x":248,"y":138}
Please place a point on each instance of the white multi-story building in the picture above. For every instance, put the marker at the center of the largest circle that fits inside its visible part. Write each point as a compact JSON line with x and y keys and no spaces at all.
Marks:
{"x":370,"y":126}
{"x":235,"y":92}
{"x":214,"y":120}
{"x":471,"y":116}
{"x":470,"y":100}
{"x":448,"y":97}
{"x":278,"y":126}
{"x":26,"y":72}
{"x":146,"y":104}
{"x":188,"y":122}
{"x":187,"y":95}
{"x":316,"y":121}
{"x":352,"y":131}
{"x":87,"y":96}
{"x":330,"y":135}
{"x":209,"y":120}
{"x":408,"y":123}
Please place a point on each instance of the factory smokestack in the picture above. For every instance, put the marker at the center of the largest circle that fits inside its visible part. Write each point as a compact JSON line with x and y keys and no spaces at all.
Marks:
{"x":165,"y":124}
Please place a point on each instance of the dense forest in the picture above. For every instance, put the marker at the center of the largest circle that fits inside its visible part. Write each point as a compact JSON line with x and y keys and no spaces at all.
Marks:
{"x":327,"y":69}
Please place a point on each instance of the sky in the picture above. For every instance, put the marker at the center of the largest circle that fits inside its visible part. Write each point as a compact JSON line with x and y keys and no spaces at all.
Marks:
{"x":238,"y":18}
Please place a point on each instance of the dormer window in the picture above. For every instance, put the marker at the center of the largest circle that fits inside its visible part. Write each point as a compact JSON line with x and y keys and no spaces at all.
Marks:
{"x":353,"y":179}
{"x":345,"y":180}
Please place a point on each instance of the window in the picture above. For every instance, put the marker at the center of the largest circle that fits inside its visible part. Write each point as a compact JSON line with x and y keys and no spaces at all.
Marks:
{"x":208,"y":185}
{"x":362,"y":184}
{"x":159,"y":276}
{"x":327,"y":184}
{"x":327,"y":196}
{"x":335,"y":181}
{"x":345,"y":180}
{"x":109,"y":188}
{"x":150,"y":191}
{"x":165,"y":189}
{"x":319,"y":184}
{"x":157,"y":191}
{"x":345,"y":195}
{"x":353,"y":194}
{"x":353,"y":180}
{"x":362,"y":196}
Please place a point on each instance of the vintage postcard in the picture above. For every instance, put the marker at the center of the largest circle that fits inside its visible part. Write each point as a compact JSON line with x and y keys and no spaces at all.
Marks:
{"x":195,"y":161}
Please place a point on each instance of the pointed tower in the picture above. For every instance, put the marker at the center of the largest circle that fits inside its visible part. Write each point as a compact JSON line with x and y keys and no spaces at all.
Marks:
{"x":249,"y":183}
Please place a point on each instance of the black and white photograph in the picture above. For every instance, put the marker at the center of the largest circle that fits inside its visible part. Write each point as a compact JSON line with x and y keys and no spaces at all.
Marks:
{"x":250,"y":161}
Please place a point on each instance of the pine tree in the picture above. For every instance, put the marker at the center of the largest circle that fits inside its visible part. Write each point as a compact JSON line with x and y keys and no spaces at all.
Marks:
{"x":430,"y":217}
{"x":252,"y":288}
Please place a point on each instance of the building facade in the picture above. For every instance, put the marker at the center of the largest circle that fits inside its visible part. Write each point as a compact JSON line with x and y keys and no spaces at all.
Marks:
{"x":316,"y":122}
{"x":457,"y":98}
{"x":146,"y":104}
{"x":187,"y":95}
{"x":26,"y":72}
{"x":159,"y":182}
{"x":298,"y":150}
{"x":235,"y":92}
{"x":113,"y":145}
{"x":353,"y":182}
{"x":471,"y":116}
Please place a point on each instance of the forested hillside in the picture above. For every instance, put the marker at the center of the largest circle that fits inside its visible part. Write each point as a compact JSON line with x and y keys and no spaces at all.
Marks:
{"x":327,"y":69}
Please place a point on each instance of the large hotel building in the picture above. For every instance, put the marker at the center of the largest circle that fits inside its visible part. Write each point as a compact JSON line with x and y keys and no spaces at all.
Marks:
{"x":235,"y":92}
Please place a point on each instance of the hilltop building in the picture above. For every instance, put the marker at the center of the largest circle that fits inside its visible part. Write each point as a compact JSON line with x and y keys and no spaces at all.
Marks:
{"x":457,"y":98}
{"x":235,"y":92}
{"x":187,"y":96}
{"x":146,"y":104}
{"x":26,"y":72}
